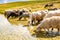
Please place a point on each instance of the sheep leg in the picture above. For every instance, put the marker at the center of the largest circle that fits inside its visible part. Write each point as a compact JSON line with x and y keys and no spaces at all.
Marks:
{"x":31,"y":22}
{"x":8,"y":16}
{"x":38,"y":21}
{"x":52,"y":30}
{"x":35,"y":21}
{"x":20,"y":17}
{"x":58,"y":32}
{"x":24,"y":18}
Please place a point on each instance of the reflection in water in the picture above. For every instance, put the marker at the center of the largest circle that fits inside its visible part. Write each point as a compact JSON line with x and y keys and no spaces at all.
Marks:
{"x":9,"y":32}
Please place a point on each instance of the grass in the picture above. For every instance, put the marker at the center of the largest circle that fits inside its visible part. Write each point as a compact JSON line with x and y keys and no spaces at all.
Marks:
{"x":18,"y":4}
{"x":36,"y":5}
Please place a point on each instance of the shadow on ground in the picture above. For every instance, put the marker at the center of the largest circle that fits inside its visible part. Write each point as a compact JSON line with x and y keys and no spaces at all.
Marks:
{"x":42,"y":34}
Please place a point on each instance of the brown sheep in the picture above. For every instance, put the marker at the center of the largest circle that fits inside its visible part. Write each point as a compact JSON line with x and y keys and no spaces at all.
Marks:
{"x":52,"y":22}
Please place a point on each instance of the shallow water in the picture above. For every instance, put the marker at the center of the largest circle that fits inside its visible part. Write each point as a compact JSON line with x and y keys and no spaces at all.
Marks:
{"x":13,"y":32}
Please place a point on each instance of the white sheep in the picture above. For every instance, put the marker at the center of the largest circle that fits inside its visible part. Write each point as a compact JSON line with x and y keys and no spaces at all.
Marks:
{"x":53,"y":13}
{"x":47,"y":23}
{"x":37,"y":16}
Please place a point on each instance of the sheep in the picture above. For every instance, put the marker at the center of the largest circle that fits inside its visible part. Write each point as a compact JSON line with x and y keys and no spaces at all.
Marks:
{"x":48,"y":5}
{"x":37,"y":16}
{"x":52,"y":22}
{"x":11,"y":13}
{"x":53,"y":13}
{"x":23,"y":13}
{"x":52,"y":9}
